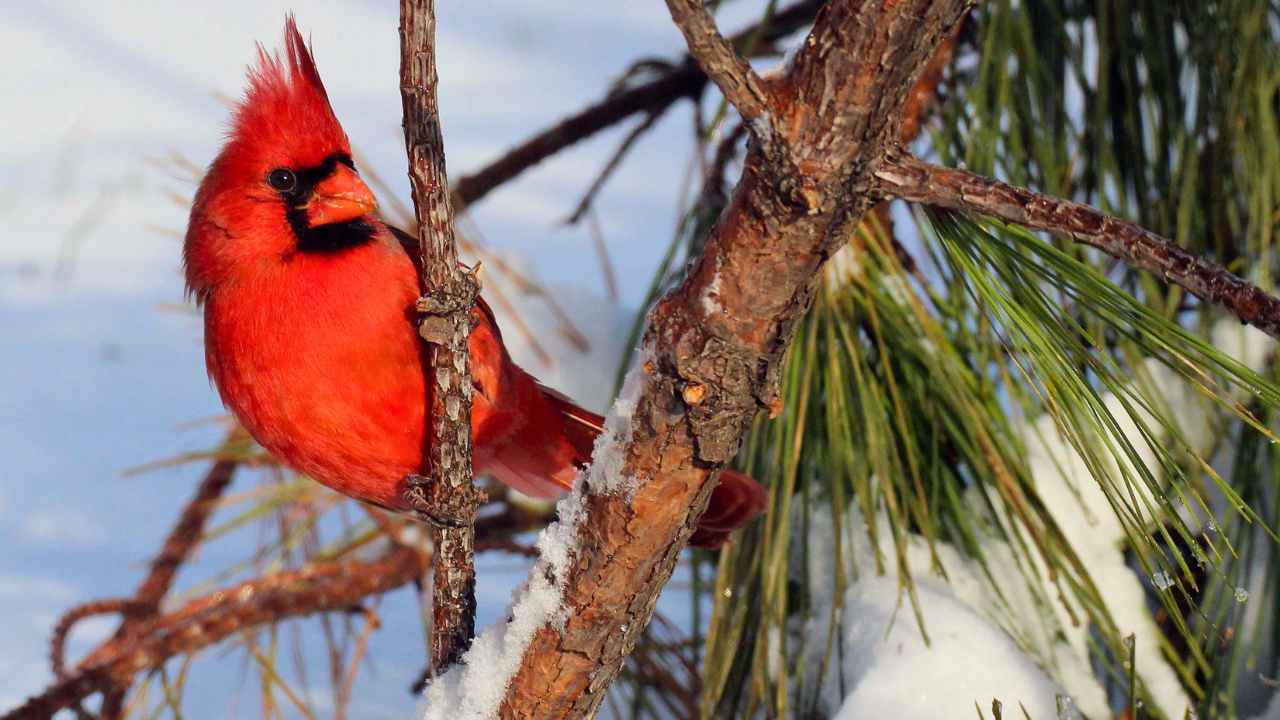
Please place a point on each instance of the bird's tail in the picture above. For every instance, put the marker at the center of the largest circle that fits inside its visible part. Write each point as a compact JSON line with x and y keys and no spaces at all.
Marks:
{"x":736,"y":500}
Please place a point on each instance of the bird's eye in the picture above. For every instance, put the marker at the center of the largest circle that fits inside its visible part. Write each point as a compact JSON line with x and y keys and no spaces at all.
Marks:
{"x":282,"y":179}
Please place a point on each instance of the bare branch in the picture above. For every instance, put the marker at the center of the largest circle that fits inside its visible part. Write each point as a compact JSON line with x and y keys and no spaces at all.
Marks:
{"x":214,"y":617}
{"x":447,"y":496}
{"x":609,"y":167}
{"x":741,"y":86}
{"x":184,"y":537}
{"x":69,"y":619}
{"x":145,"y":603}
{"x":654,"y":97}
{"x":909,"y":178}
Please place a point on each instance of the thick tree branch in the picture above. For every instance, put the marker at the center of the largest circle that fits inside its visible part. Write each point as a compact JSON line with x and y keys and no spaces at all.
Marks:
{"x":653,"y":98}
{"x":909,"y":178}
{"x":446,"y":497}
{"x":725,"y":329}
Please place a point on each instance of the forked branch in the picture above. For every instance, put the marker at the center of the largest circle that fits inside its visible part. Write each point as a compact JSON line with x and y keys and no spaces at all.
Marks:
{"x":725,"y":328}
{"x":719,"y":60}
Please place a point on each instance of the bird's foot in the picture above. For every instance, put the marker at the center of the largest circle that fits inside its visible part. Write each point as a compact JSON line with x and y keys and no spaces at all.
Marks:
{"x":435,"y":504}
{"x":441,"y":305}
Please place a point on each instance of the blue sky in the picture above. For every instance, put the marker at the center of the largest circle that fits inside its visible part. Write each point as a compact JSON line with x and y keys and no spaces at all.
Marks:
{"x":100,"y":370}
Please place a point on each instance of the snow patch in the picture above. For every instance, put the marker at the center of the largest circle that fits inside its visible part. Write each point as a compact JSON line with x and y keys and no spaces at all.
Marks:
{"x":473,"y":689}
{"x":883,"y":666}
{"x":967,"y":660}
{"x":606,"y":475}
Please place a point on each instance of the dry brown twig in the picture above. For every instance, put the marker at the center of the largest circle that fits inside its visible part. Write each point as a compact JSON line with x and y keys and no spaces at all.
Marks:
{"x":909,"y":178}
{"x":145,"y":603}
{"x":446,"y":497}
{"x":200,"y":623}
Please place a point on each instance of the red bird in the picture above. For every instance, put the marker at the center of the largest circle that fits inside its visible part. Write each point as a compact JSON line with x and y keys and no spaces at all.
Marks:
{"x":309,"y":317}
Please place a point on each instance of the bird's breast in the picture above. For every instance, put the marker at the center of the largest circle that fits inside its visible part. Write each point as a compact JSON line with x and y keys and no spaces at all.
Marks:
{"x":318,"y":358}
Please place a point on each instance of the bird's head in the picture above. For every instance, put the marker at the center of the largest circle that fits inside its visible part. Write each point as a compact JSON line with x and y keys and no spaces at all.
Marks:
{"x":284,"y":181}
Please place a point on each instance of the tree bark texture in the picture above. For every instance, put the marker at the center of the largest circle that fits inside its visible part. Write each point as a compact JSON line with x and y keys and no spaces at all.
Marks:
{"x":807,"y":181}
{"x":446,"y":497}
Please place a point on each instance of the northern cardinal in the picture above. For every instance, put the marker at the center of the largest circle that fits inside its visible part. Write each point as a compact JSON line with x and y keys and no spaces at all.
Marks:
{"x":310,"y":333}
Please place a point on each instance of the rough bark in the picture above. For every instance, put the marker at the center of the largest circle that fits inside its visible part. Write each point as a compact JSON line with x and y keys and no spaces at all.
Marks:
{"x":446,"y":497}
{"x":909,"y":178}
{"x":806,"y":183}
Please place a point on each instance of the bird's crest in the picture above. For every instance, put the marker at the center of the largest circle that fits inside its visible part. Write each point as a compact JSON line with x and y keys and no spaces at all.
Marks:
{"x":286,"y":106}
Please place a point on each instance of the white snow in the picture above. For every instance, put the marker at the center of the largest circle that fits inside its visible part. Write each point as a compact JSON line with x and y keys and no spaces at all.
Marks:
{"x":1001,"y":642}
{"x":606,"y":474}
{"x":883,"y":667}
{"x":473,"y":689}
{"x":968,"y":660}
{"x":1079,"y":507}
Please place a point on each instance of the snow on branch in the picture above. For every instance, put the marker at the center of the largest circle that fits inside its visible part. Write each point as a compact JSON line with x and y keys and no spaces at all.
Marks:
{"x":475,"y":688}
{"x":835,"y":109}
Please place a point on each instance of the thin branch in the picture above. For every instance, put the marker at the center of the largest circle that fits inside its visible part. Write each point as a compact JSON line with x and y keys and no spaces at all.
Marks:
{"x":609,"y":167}
{"x":207,"y":620}
{"x":184,"y":537}
{"x":653,"y":97}
{"x":145,"y":603}
{"x":602,"y":252}
{"x":70,"y":618}
{"x":909,"y":178}
{"x":446,"y":496}
{"x":718,"y":58}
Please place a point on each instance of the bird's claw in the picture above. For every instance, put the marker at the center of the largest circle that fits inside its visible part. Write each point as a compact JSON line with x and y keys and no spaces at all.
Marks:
{"x":438,"y":506}
{"x":440,"y":305}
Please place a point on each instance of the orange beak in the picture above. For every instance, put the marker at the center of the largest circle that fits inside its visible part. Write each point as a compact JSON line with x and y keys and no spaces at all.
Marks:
{"x":340,"y":197}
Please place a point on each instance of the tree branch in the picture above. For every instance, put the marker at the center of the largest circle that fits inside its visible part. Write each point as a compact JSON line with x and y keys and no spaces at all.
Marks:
{"x":725,"y":328}
{"x":214,"y":617}
{"x":719,"y":60}
{"x":653,"y":98}
{"x":145,"y":603}
{"x":909,"y":178}
{"x":610,"y":166}
{"x":446,"y":497}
